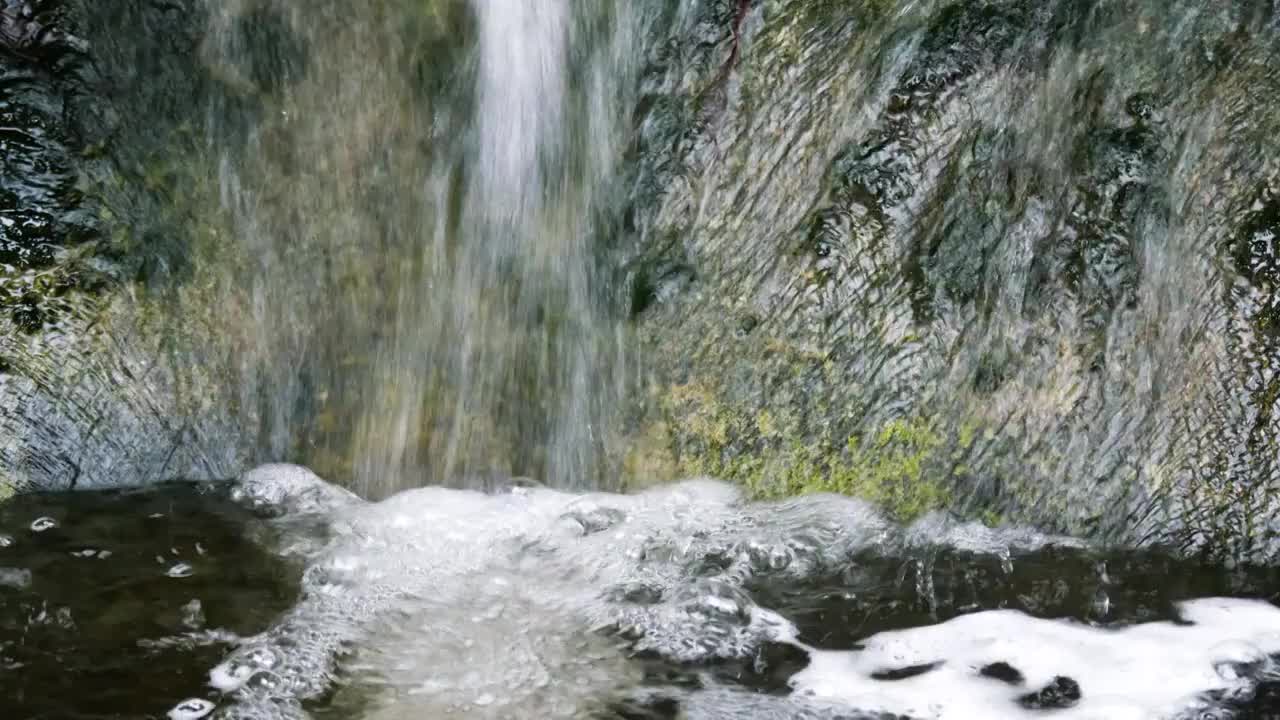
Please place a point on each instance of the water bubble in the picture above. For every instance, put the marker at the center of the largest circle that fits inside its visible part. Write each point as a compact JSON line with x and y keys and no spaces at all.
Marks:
{"x":180,"y":570}
{"x":244,"y":667}
{"x":42,"y":524}
{"x":260,"y":656}
{"x":265,"y":682}
{"x":767,"y":557}
{"x":191,"y":709}
{"x":230,"y":676}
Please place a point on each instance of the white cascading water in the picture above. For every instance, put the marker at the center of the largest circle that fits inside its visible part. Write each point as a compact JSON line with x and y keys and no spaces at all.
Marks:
{"x":507,"y":335}
{"x":418,"y":234}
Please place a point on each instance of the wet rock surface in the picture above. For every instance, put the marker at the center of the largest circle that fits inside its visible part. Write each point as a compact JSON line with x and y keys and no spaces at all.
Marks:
{"x":91,"y":386}
{"x":1038,"y":234}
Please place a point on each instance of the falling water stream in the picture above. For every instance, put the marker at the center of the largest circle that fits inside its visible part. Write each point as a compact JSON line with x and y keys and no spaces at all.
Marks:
{"x":510,"y":317}
{"x":481,"y":341}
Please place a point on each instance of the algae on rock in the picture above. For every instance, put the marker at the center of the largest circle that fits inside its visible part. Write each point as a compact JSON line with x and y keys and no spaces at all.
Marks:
{"x":1032,"y":227}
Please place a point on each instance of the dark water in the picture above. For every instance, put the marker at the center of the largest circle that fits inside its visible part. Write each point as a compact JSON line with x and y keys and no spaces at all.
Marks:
{"x":99,"y":615}
{"x":119,"y":608}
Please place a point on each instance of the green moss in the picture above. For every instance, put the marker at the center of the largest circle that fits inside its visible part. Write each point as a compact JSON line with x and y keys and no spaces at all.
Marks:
{"x":890,"y":468}
{"x":905,"y":465}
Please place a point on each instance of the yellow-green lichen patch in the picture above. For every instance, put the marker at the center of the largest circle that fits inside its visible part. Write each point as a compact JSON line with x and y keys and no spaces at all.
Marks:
{"x":891,"y":467}
{"x":907,"y":465}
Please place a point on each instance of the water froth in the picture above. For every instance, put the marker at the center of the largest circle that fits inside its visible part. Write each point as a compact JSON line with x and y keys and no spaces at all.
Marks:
{"x":538,"y":603}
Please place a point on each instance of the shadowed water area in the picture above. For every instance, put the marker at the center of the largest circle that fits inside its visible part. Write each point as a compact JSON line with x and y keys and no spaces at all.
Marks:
{"x":681,"y":359}
{"x":109,"y":600}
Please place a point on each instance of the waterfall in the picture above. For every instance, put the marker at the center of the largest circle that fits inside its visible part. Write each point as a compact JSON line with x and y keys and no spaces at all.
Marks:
{"x":424,"y":251}
{"x":504,"y":333}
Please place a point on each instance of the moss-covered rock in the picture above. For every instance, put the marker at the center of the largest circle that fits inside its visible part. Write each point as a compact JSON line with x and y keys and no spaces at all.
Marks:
{"x":1032,"y":228}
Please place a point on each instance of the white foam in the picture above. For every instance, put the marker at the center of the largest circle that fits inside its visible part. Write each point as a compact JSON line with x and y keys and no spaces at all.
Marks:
{"x":191,"y":709}
{"x":43,"y":524}
{"x":1153,"y":670}
{"x":289,"y":489}
{"x":441,"y":602}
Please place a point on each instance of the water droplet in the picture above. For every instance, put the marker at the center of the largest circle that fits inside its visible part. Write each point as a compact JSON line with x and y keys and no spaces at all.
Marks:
{"x":180,"y":570}
{"x":191,"y":709}
{"x":6,"y":541}
{"x":43,"y":524}
{"x":485,"y":699}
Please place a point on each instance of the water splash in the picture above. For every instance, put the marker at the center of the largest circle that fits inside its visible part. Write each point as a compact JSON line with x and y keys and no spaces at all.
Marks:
{"x":538,"y":603}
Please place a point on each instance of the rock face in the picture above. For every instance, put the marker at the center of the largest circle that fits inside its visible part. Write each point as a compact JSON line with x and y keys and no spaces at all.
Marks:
{"x":1000,"y":255}
{"x":60,"y":369}
{"x":1013,"y":258}
{"x":107,"y":375}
